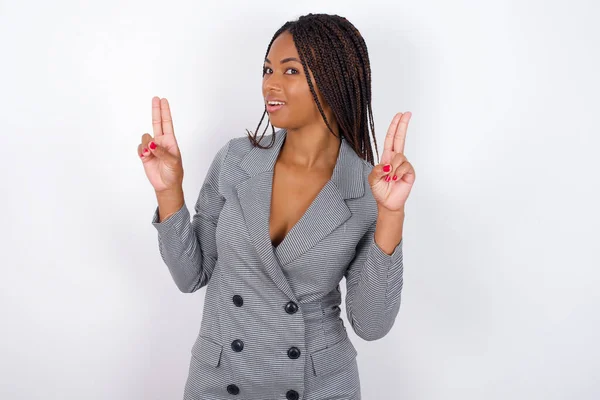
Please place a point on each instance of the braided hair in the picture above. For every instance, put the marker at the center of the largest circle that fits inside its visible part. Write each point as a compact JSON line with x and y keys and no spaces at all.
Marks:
{"x":336,"y":53}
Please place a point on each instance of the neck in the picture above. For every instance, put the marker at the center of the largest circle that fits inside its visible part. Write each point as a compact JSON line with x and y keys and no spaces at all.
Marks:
{"x":310,"y":148}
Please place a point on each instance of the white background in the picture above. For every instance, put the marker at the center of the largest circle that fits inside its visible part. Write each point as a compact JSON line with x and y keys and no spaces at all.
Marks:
{"x":500,"y":296}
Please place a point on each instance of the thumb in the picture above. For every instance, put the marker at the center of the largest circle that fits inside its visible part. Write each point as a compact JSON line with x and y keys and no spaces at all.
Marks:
{"x":379,"y":171}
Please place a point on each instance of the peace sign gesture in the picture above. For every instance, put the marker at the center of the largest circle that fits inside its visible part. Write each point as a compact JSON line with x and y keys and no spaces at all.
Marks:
{"x":160,"y":154}
{"x":392,"y":179}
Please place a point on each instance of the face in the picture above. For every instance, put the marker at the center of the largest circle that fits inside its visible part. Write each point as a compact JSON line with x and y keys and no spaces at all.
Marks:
{"x":284,"y":81}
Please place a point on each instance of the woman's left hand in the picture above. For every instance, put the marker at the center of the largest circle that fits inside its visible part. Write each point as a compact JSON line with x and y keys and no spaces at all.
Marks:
{"x":391,"y":194}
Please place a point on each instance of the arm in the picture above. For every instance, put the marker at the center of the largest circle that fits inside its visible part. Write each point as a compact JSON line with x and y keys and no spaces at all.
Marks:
{"x":374,"y":282}
{"x":189,"y":249}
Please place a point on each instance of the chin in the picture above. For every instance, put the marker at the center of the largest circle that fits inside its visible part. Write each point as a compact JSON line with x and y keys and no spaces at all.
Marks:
{"x":279,"y":123}
{"x":283,"y":121}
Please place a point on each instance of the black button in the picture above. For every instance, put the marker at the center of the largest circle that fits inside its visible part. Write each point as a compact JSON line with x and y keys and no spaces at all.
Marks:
{"x":292,"y":395}
{"x":238,"y":300}
{"x":291,"y":307}
{"x":293,"y":353}
{"x":237,"y":345}
{"x":232,"y":389}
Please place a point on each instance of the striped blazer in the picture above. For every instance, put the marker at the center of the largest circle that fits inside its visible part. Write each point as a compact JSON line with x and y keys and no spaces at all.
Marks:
{"x":271,"y":326}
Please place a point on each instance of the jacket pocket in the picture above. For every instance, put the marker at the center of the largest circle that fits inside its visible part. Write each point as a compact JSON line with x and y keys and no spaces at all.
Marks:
{"x":207,"y":351}
{"x":333,"y":357}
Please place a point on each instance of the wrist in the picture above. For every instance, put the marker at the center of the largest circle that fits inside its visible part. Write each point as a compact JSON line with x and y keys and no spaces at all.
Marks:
{"x":170,"y":194}
{"x":169,"y":202}
{"x":385,"y":212}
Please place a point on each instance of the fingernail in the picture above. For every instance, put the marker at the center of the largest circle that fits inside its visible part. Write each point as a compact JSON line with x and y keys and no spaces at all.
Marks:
{"x":145,"y":150}
{"x":387,"y":178}
{"x":152,"y":145}
{"x":387,"y":168}
{"x":395,"y":177}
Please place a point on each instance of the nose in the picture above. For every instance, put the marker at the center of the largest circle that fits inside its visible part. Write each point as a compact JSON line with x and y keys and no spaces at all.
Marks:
{"x":272,"y":83}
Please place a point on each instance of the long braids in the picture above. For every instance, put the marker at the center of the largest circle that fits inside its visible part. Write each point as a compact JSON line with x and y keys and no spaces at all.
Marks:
{"x":336,"y":53}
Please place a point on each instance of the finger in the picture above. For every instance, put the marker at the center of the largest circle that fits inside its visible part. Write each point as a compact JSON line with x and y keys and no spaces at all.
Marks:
{"x":146,"y":138}
{"x":400,"y":136}
{"x":396,"y":162}
{"x":167,"y":122}
{"x":379,"y":172}
{"x":156,"y":117}
{"x":145,"y":154}
{"x":143,"y":146}
{"x":388,"y":144}
{"x":405,"y":169}
{"x":159,"y":151}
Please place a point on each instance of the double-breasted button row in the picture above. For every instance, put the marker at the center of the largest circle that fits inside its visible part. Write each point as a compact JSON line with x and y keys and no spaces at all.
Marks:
{"x":290,"y":307}
{"x":290,"y":395}
{"x":293,"y":352}
{"x":238,"y":345}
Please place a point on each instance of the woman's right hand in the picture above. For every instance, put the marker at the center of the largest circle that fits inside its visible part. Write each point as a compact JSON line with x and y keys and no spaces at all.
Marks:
{"x":160,"y":154}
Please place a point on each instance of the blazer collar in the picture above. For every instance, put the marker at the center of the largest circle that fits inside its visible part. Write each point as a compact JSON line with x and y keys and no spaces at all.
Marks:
{"x":347,"y":173}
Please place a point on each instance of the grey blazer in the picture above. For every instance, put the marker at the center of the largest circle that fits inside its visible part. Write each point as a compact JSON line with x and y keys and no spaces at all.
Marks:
{"x":271,"y":326}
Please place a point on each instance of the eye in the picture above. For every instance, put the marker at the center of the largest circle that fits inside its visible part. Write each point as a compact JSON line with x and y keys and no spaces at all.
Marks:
{"x":266,"y":70}
{"x":295,"y":71}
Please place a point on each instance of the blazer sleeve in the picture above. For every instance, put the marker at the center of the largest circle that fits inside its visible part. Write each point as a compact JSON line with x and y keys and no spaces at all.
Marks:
{"x":189,"y":249}
{"x":373,"y":287}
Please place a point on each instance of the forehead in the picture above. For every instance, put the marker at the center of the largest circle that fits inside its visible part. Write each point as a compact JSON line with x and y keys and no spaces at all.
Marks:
{"x":282,"y":47}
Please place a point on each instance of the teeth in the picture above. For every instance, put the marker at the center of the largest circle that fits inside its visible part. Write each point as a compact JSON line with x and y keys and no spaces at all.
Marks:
{"x":276,"y":103}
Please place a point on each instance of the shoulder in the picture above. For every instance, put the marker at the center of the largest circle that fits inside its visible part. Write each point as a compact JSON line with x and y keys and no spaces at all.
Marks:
{"x":368,"y":201}
{"x":367,"y":167}
{"x":239,"y":146}
{"x":228,"y":159}
{"x":363,"y":206}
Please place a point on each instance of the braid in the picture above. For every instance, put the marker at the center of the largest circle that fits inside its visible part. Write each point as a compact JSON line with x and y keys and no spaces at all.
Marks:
{"x":336,"y":53}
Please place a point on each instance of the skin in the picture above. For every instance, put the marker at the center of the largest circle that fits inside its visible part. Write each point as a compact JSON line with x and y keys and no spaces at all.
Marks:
{"x":306,"y":160}
{"x":308,"y":155}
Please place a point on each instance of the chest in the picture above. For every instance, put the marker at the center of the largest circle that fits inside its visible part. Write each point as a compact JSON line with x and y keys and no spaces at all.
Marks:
{"x":292,"y":194}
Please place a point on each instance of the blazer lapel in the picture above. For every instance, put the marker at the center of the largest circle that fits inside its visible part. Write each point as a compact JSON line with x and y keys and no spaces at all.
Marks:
{"x":327,"y":211}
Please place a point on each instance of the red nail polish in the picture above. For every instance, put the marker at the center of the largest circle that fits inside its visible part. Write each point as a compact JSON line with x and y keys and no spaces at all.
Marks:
{"x":387,"y":168}
{"x":395,"y":177}
{"x":387,"y":178}
{"x":152,"y":145}
{"x":145,"y":150}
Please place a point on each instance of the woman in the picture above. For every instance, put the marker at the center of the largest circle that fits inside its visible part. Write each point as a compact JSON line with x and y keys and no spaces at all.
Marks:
{"x":281,"y":219}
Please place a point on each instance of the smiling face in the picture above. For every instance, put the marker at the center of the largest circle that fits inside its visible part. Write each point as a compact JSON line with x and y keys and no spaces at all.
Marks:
{"x":284,"y":80}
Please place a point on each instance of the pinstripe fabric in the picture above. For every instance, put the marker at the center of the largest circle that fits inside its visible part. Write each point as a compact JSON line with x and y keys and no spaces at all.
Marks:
{"x":227,"y":248}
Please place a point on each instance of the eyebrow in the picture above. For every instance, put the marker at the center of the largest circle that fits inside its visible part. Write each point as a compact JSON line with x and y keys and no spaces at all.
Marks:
{"x":284,"y":60}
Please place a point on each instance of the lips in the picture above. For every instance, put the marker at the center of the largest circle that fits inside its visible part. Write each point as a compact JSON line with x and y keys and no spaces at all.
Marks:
{"x":274,"y":105}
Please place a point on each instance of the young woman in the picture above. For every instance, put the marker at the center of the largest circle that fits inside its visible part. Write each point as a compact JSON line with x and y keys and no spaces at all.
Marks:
{"x":280,"y":220}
